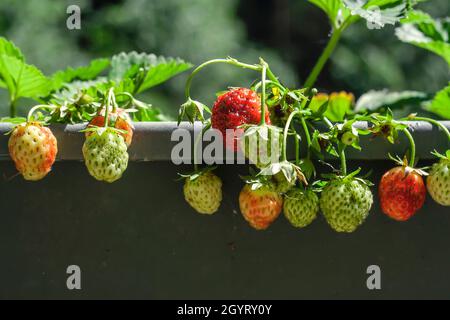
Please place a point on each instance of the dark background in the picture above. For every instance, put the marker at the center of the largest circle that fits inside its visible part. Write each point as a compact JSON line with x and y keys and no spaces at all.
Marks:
{"x":289,"y":34}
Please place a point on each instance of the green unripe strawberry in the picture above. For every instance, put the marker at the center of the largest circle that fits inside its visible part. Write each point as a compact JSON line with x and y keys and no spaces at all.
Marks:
{"x":105,"y":155}
{"x":300,"y":207}
{"x":203,"y":193}
{"x":438,"y":182}
{"x":346,"y":203}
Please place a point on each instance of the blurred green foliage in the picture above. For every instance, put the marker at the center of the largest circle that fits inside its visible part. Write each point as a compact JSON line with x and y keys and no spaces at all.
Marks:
{"x":289,"y":34}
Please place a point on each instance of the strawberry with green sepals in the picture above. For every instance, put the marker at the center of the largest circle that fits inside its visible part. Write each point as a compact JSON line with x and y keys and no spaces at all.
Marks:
{"x":203,"y":191}
{"x":260,"y":207}
{"x":401,"y":191}
{"x":119,"y":119}
{"x":105,"y":151}
{"x":346,"y":200}
{"x":33,"y":148}
{"x":438,"y":180}
{"x":232,"y":109}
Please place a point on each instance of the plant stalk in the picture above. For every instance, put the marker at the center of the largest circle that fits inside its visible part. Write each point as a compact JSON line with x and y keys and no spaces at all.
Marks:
{"x":263,"y":94}
{"x":412,"y":160}
{"x":343,"y":159}
{"x":335,"y":37}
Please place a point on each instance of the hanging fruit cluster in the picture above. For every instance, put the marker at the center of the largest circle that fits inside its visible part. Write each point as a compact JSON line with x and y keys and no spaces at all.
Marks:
{"x":269,"y":112}
{"x":33,"y":147}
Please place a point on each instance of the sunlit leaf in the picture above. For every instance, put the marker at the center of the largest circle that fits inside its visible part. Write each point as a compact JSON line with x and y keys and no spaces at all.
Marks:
{"x":374,"y":100}
{"x":423,"y":31}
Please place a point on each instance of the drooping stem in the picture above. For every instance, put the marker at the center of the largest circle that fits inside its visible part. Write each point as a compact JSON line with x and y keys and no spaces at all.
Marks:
{"x":32,"y":110}
{"x":263,"y":93}
{"x":311,"y":80}
{"x":285,"y":133}
{"x":436,"y":123}
{"x":231,"y":61}
{"x":412,"y":159}
{"x":342,"y":156}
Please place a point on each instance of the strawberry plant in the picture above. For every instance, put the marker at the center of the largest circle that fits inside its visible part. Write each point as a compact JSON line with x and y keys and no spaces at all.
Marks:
{"x":320,"y":127}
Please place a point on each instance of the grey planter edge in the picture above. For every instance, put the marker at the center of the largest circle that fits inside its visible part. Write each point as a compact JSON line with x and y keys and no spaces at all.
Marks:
{"x":152,"y":141}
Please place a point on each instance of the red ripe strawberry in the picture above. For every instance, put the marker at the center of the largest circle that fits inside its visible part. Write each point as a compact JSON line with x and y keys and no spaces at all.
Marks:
{"x":402,"y":193}
{"x":33,"y":149}
{"x":260,"y":207}
{"x":234,"y":108}
{"x":119,"y":120}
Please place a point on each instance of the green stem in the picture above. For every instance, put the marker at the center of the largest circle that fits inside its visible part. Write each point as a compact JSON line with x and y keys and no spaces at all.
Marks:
{"x":311,"y":80}
{"x":328,"y":122}
{"x":272,"y":77}
{"x":342,"y":147}
{"x":263,"y":94}
{"x":436,"y":123}
{"x":297,"y":150}
{"x":12,"y":108}
{"x":108,"y":105}
{"x":307,"y":135}
{"x":285,"y":133}
{"x":231,"y":61}
{"x":412,"y":160}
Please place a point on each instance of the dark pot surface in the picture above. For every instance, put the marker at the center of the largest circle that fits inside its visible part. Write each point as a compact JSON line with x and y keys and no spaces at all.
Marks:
{"x":137,"y":238}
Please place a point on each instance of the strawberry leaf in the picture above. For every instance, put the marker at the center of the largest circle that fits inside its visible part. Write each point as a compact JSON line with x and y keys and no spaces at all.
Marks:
{"x":8,"y":48}
{"x":377,"y":13}
{"x":21,"y":79}
{"x":374,"y":100}
{"x":441,"y":102}
{"x":150,"y":69}
{"x":334,"y":9}
{"x":89,"y":72}
{"x":423,"y":31}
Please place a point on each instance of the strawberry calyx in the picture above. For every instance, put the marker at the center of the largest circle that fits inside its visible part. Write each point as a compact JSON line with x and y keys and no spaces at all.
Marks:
{"x":196,"y":173}
{"x":445,"y":156}
{"x":344,"y":178}
{"x":192,"y":110}
{"x":291,"y":172}
{"x":407,"y":169}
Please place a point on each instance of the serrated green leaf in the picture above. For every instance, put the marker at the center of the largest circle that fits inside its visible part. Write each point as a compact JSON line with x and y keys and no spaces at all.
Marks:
{"x":374,"y":100}
{"x":8,"y":48}
{"x":377,"y":13}
{"x":440,"y":105}
{"x":421,"y":30}
{"x":155,"y":69}
{"x":334,"y":9}
{"x":89,"y":72}
{"x":21,"y":79}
